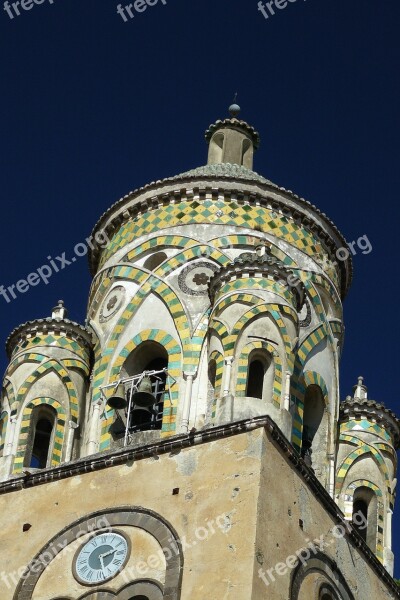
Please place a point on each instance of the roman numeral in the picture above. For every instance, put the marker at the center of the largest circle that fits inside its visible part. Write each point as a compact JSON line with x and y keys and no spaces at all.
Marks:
{"x":117,"y":562}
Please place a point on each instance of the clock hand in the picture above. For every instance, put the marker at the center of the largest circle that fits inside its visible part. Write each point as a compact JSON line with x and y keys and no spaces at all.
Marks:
{"x":107,"y":553}
{"x":101,"y":562}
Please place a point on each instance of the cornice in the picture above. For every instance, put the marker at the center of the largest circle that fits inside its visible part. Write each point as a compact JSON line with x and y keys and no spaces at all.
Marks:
{"x":365,"y":408}
{"x":237,"y":124}
{"x":44,"y":326}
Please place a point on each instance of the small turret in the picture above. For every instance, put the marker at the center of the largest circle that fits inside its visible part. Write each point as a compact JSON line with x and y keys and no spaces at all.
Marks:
{"x":232,"y":141}
{"x":44,"y":392}
{"x":366,"y":468}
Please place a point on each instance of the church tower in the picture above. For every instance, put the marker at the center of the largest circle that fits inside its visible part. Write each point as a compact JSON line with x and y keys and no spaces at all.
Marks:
{"x":195,"y":420}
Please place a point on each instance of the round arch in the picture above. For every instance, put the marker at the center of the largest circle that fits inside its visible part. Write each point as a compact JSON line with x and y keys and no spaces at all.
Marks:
{"x":129,"y":516}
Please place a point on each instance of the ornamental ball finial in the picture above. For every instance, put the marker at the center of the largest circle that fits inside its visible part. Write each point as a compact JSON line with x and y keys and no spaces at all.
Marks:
{"x":234,"y":108}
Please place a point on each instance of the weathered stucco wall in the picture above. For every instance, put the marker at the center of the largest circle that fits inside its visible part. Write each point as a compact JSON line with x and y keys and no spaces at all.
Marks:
{"x":241,"y":491}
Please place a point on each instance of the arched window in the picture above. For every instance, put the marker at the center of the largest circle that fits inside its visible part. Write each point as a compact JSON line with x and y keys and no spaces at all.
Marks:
{"x":212,"y":374}
{"x":40,"y":437}
{"x":314,"y":408}
{"x":3,"y":424}
{"x":155,"y":260}
{"x":247,"y":153}
{"x":216,"y":149}
{"x":149,"y":356}
{"x":365,"y":515}
{"x":259,"y":374}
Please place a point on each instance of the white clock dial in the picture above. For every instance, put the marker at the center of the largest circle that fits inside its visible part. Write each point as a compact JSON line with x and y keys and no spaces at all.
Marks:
{"x":101,"y":558}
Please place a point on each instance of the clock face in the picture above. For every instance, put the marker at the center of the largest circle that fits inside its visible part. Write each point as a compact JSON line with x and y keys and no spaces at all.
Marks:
{"x":101,"y":558}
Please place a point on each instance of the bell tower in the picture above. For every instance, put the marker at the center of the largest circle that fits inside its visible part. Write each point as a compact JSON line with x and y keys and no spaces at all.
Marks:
{"x":196,"y":417}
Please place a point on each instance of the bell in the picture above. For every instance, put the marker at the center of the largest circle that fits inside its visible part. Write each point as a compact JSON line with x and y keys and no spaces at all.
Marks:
{"x":144,"y":395}
{"x":140,"y":416}
{"x":118,"y":399}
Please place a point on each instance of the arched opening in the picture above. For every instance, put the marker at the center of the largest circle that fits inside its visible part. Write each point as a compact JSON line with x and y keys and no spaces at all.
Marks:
{"x":247,"y":154}
{"x":149,"y":356}
{"x":259,"y":374}
{"x":365,"y":515}
{"x":216,"y":149}
{"x":40,"y":437}
{"x":3,"y":423}
{"x":314,"y":408}
{"x":255,"y":379}
{"x":212,"y":375}
{"x":155,"y":260}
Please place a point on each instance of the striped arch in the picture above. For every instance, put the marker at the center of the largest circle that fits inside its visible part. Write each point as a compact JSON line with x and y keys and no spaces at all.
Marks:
{"x":233,"y":241}
{"x":56,"y":367}
{"x":24,"y":432}
{"x":192,"y":351}
{"x":149,"y":284}
{"x":311,"y":341}
{"x":199,"y":251}
{"x":9,"y":388}
{"x":174,"y":369}
{"x":243,"y":367}
{"x":250,"y":241}
{"x":255,"y":284}
{"x":155,"y":283}
{"x":219,"y":361}
{"x":163,"y":241}
{"x":249,"y":299}
{"x":219,"y":328}
{"x":3,"y":430}
{"x":26,"y":358}
{"x":75,"y":364}
{"x":348,"y":510}
{"x":328,"y":287}
{"x":362,"y":449}
{"x":274,"y":310}
{"x":299,"y":386}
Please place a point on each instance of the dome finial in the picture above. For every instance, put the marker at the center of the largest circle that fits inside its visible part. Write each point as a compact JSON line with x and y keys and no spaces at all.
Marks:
{"x":234,"y":108}
{"x":59,"y":311}
{"x":360,"y":390}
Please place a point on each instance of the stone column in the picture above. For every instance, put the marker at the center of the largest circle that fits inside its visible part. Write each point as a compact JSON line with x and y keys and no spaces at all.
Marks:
{"x":187,"y":402}
{"x":93,"y":444}
{"x":228,"y":375}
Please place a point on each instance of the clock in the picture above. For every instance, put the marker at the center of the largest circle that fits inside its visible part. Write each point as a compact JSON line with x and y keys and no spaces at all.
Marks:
{"x":101,"y":558}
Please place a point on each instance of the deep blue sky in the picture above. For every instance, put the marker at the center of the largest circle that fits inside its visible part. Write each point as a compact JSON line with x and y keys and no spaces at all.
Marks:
{"x":93,"y":107}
